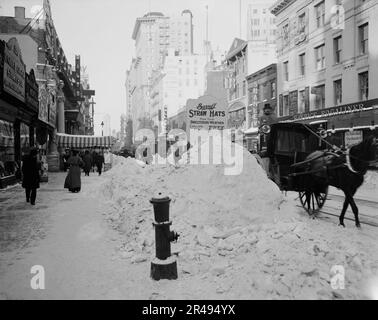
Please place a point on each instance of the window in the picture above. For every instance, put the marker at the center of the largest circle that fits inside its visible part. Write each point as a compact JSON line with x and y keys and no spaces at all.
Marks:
{"x":244,"y":88}
{"x":7,"y":167}
{"x":364,"y":37}
{"x":302,"y":23}
{"x":261,"y":92}
{"x":302,"y":64}
{"x":286,"y":70}
{"x":180,"y":71}
{"x":337,"y":49}
{"x":364,"y":85}
{"x":254,"y":11}
{"x":320,"y":14}
{"x":285,"y":105}
{"x":320,"y":97}
{"x":237,"y":91}
{"x":301,"y":101}
{"x":320,"y":57}
{"x":187,"y":82}
{"x":337,"y":89}
{"x":196,"y":82}
{"x":285,"y":31}
{"x":273,"y":90}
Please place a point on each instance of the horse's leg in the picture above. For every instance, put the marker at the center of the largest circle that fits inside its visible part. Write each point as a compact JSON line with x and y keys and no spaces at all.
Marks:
{"x":345,"y":207}
{"x":355,"y":210}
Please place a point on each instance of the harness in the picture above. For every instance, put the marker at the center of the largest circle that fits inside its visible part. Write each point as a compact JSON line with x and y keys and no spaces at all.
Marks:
{"x":349,"y":165}
{"x":347,"y":154}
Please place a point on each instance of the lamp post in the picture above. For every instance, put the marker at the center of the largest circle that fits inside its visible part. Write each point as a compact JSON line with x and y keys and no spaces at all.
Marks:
{"x":102,"y":128}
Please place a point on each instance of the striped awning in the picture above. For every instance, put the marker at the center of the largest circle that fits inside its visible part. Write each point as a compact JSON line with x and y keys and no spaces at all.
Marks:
{"x":81,"y":142}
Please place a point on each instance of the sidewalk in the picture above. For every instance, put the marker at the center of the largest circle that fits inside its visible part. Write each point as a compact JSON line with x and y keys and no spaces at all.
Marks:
{"x":67,"y":235}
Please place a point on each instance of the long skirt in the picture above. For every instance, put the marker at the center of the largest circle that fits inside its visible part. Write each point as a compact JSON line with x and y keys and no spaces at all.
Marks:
{"x":73,"y":179}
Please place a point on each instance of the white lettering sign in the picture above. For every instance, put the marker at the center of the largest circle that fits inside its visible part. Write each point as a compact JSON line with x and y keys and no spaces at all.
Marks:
{"x":352,"y":138}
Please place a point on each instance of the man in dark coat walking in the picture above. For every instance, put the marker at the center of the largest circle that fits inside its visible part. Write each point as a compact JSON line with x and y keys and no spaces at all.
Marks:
{"x":87,"y":163}
{"x":99,"y":163}
{"x":30,"y":172}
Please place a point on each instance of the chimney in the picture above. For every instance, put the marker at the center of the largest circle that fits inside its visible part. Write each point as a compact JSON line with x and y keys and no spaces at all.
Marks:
{"x":19,"y":12}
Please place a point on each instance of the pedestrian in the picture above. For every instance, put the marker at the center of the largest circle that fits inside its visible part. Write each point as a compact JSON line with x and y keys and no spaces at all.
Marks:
{"x":107,"y":160}
{"x":73,"y":179}
{"x":99,"y":163}
{"x":30,"y":174}
{"x":94,"y":156}
{"x":66,"y":156}
{"x":87,"y":162}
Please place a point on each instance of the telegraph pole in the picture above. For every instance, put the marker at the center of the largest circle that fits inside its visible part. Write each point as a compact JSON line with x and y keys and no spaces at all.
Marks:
{"x":240,"y":23}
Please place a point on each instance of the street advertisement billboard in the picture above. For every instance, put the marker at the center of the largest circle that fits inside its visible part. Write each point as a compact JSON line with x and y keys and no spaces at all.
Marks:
{"x":14,"y":70}
{"x":43,"y":113}
{"x":206,"y":113}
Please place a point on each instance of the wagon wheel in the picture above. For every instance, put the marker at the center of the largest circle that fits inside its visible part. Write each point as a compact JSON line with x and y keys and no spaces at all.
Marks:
{"x":313,"y":201}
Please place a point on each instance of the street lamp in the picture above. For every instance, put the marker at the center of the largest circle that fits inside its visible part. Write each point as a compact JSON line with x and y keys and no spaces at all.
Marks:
{"x":102,"y":128}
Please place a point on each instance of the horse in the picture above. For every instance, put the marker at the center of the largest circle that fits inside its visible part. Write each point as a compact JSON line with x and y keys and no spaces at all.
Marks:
{"x":344,"y":170}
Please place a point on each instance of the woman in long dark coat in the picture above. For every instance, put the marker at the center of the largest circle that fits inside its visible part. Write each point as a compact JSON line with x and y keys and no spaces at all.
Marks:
{"x":30,"y":175}
{"x":73,"y":179}
{"x":87,"y":163}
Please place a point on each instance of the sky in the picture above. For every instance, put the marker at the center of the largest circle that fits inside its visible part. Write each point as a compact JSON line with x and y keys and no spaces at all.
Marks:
{"x":100,"y":32}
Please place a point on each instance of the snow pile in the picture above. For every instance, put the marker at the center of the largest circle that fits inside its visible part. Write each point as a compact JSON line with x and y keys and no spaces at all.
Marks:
{"x":202,"y":196}
{"x":371,"y":180}
{"x":239,"y":238}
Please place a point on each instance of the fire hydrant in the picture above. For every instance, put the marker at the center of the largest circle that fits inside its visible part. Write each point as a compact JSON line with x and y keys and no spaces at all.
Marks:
{"x":164,"y":266}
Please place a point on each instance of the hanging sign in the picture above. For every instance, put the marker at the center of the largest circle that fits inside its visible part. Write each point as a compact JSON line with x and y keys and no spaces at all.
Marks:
{"x":14,"y":70}
{"x":353,"y":137}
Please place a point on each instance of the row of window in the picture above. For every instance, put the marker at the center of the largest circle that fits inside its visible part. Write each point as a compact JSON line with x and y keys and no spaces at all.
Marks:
{"x":187,"y":82}
{"x":256,"y":32}
{"x":320,"y":53}
{"x":319,"y":92}
{"x":240,"y":91}
{"x":263,"y":92}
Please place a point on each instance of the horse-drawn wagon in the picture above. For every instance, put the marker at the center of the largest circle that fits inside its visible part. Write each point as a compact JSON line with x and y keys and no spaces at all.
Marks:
{"x":299,"y":158}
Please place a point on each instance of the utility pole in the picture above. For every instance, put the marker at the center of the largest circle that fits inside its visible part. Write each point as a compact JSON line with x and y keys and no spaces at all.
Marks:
{"x":102,"y":128}
{"x":240,"y":22}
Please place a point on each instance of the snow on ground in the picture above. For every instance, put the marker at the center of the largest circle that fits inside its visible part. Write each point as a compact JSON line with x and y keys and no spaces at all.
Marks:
{"x":240,"y":238}
{"x":371,"y":180}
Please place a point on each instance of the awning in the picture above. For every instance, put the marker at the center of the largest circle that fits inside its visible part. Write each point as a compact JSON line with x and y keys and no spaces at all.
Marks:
{"x":80,"y":142}
{"x":252,"y":131}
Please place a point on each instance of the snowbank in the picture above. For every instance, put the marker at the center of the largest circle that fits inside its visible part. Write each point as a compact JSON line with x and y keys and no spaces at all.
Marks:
{"x":371,"y":180}
{"x":239,"y":238}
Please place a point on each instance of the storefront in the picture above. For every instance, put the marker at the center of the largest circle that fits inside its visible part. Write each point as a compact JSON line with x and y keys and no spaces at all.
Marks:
{"x":17,"y":115}
{"x":345,"y":125}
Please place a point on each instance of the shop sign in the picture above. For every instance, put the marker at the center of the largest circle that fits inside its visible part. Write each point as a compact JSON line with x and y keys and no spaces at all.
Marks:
{"x":43,"y":113}
{"x":14,"y":70}
{"x":335,"y":111}
{"x":1,"y":64}
{"x":353,"y":137}
{"x":206,"y":113}
{"x":52,"y":107}
{"x":31,"y":93}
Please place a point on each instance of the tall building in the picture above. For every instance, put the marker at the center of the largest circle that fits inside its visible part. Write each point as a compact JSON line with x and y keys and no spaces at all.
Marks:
{"x":60,"y":91}
{"x":123,"y":123}
{"x":154,"y":34}
{"x":328,"y":65}
{"x":261,"y":34}
{"x":237,"y":60}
